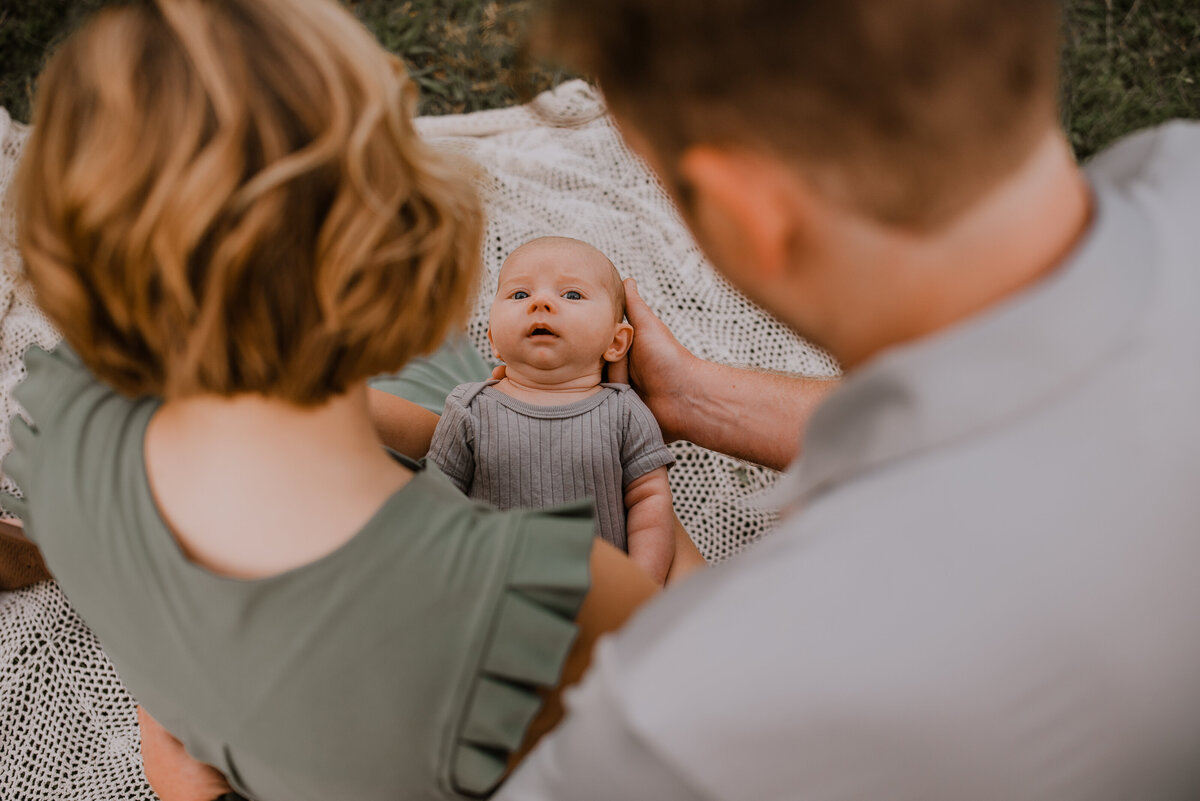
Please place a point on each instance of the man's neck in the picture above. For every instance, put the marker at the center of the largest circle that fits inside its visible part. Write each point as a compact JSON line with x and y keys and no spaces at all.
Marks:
{"x":1016,"y":236}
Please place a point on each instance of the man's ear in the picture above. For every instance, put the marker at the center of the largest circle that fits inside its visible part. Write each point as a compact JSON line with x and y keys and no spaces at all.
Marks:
{"x":749,"y":207}
{"x":622,"y":339}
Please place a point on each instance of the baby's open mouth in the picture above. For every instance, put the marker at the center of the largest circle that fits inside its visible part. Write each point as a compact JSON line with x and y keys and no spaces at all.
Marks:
{"x":541,"y":331}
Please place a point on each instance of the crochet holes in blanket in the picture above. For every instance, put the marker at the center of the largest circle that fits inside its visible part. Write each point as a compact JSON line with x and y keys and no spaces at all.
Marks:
{"x":21,"y":322}
{"x":68,"y":727}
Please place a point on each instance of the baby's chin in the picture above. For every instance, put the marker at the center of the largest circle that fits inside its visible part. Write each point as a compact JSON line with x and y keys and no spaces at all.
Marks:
{"x":556,"y":368}
{"x":540,"y":367}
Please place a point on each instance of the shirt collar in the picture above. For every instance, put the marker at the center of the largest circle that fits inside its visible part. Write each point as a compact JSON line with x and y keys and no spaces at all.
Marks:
{"x":989,"y":368}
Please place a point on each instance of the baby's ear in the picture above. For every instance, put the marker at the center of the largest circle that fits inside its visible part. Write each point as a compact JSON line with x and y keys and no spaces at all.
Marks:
{"x":495,"y":353}
{"x":622,"y":339}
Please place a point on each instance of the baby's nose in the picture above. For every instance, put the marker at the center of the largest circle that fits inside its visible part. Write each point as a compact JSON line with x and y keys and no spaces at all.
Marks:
{"x":541,"y":303}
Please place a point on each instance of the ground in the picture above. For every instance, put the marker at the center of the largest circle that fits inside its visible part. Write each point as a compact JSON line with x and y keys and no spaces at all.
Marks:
{"x":1128,"y":63}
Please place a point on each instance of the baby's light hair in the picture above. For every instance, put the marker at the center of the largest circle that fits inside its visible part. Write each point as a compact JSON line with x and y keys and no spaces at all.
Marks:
{"x":228,"y":196}
{"x":616,"y":289}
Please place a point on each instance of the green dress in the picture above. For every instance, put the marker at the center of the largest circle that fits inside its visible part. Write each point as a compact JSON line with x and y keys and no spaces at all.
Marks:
{"x":404,"y":665}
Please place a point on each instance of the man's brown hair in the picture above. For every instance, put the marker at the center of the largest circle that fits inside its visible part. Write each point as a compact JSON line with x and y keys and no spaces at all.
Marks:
{"x":907,"y":110}
{"x":228,"y":196}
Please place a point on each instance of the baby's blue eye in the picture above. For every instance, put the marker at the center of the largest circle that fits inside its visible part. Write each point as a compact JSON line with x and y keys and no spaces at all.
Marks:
{"x":520,"y":294}
{"x":571,"y":294}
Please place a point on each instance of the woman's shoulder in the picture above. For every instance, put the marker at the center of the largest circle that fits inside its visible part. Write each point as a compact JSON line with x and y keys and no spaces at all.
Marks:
{"x":59,"y":389}
{"x":71,"y":424}
{"x":54,"y":380}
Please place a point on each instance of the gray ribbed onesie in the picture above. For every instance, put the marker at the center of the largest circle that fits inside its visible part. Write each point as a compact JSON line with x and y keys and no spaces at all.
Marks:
{"x":514,"y":454}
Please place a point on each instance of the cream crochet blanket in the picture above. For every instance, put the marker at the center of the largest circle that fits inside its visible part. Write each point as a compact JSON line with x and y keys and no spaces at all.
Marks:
{"x":555,"y":166}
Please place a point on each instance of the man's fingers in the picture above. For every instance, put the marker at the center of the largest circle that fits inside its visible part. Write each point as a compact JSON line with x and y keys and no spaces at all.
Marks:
{"x":641,"y":317}
{"x":635,"y":308}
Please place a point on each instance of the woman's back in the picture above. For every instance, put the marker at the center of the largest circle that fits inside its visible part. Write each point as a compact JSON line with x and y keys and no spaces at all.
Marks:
{"x":407,"y":659}
{"x":226,"y":211}
{"x":309,"y":480}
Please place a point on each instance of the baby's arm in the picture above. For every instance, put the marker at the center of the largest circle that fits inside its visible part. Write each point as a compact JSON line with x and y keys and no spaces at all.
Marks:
{"x":650,"y":524}
{"x":403,"y":426}
{"x":452,"y":447}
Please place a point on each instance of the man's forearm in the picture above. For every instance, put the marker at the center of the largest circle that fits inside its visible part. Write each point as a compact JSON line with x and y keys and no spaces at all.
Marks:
{"x":750,"y":415}
{"x":745,"y":413}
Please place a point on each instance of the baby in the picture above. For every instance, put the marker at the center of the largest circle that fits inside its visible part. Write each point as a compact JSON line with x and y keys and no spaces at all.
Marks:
{"x":549,"y":431}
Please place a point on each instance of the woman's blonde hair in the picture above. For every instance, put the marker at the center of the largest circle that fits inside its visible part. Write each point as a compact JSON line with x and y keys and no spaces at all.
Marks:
{"x":228,"y":196}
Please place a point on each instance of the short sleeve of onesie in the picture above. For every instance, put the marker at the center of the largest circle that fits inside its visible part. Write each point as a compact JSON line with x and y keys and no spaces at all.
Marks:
{"x":453,"y":446}
{"x":642,"y":446}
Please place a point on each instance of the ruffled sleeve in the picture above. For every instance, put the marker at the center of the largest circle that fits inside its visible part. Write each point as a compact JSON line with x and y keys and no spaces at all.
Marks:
{"x":531,"y":634}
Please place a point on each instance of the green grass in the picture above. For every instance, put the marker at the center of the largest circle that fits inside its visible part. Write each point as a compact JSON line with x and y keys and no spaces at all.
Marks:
{"x":464,"y":54}
{"x":1127,"y":63}
{"x":28,"y":28}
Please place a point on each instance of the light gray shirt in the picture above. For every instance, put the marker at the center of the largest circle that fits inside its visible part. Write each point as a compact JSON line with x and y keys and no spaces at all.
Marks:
{"x":517,"y":455}
{"x":991,"y":587}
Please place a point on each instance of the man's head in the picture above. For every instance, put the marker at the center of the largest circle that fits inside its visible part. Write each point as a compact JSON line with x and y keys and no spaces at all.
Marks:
{"x":559,"y":307}
{"x":906,"y":110}
{"x":859,"y":168}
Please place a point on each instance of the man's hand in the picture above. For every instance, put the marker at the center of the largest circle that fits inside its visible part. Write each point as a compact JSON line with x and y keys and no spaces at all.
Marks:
{"x":171,"y":771}
{"x":664,"y":373}
{"x":747,"y":414}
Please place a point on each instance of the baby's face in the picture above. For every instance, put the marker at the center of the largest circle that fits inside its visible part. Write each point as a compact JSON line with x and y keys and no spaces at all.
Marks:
{"x":554,"y":309}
